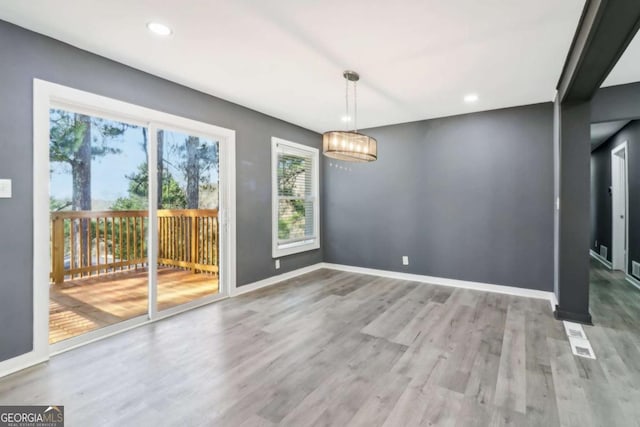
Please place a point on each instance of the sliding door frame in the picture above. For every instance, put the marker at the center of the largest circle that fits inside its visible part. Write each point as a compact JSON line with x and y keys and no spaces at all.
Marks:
{"x":226,"y":199}
{"x":48,"y":95}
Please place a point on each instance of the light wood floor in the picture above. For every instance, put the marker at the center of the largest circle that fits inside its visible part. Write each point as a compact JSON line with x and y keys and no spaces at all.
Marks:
{"x":343,"y":349}
{"x":82,"y":305}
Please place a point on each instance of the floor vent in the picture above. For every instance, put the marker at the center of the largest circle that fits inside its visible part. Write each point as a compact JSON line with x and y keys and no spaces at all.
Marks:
{"x":574,"y":330}
{"x":635,"y":269}
{"x":583,"y":351}
{"x":604,"y":251}
{"x":580,"y":345}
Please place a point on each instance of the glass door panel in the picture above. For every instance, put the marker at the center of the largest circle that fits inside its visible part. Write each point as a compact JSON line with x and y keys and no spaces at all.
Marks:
{"x":188,"y":231}
{"x":99,"y":223}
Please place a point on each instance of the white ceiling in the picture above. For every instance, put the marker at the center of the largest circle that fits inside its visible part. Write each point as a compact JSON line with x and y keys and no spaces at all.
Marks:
{"x":417,"y":58}
{"x":600,"y":132}
{"x":627,"y":70}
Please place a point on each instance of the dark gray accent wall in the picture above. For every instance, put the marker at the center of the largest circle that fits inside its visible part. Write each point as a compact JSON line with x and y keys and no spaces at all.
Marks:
{"x":601,"y":199}
{"x":467,"y":197}
{"x":619,"y":102}
{"x":26,"y":55}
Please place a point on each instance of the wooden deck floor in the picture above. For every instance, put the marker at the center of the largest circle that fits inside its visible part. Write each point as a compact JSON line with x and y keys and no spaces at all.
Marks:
{"x":83,"y":305}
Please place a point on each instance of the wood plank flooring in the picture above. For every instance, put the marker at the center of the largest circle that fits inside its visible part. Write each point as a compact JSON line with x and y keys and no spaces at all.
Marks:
{"x":83,"y":305}
{"x":611,"y":384}
{"x":343,"y":349}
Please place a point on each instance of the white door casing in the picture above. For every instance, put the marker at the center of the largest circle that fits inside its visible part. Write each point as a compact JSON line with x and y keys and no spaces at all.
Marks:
{"x":619,"y":207}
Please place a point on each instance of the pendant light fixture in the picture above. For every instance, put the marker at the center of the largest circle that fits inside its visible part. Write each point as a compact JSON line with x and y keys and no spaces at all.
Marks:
{"x":350,"y":145}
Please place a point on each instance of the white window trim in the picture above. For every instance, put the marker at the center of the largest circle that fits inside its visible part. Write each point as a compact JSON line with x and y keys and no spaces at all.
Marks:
{"x":305,"y":245}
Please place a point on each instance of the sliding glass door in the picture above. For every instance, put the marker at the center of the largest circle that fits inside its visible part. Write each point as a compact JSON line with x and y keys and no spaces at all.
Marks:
{"x":187,"y":211}
{"x":99,"y":223}
{"x":134,"y":229}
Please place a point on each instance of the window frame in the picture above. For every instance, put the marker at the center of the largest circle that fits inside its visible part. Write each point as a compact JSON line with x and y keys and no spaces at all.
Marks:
{"x":313,"y":242}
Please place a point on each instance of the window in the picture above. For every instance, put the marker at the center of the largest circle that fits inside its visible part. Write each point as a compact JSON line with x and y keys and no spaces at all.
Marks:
{"x":295,"y":203}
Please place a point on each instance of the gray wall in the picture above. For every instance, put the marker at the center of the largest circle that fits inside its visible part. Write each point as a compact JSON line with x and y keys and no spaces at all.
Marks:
{"x":620,"y":102}
{"x":25,"y":56}
{"x":467,"y":197}
{"x":573,"y":230}
{"x":601,"y":199}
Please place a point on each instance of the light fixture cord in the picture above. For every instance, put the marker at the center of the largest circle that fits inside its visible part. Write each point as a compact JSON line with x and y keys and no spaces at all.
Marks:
{"x":355,"y":106}
{"x":346,"y":104}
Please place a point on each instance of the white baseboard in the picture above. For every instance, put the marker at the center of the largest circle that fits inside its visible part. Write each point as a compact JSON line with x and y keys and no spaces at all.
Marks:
{"x":603,"y":261}
{"x":553,"y":301}
{"x":477,"y":286}
{"x":635,"y":282}
{"x":18,"y":363}
{"x":269,"y":281}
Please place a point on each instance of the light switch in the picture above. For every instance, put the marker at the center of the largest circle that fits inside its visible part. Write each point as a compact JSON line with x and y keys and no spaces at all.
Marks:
{"x":5,"y":188}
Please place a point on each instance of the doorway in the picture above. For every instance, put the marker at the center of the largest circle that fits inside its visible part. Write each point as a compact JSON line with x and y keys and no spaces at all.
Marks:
{"x":619,"y":206}
{"x":137,"y":219}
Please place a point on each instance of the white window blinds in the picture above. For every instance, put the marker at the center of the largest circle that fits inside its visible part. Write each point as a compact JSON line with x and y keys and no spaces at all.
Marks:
{"x":295,"y":197}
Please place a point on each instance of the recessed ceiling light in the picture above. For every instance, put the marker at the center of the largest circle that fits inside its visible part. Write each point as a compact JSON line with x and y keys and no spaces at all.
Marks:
{"x":472,"y":97}
{"x":346,"y":119}
{"x":159,"y":29}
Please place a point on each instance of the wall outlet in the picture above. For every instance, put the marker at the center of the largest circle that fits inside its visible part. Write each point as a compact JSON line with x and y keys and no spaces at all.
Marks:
{"x":5,"y":188}
{"x":405,"y":260}
{"x":596,"y":245}
{"x":277,"y":264}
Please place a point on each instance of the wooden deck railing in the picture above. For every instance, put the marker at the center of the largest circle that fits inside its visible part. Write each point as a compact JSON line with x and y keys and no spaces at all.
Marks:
{"x":90,"y":243}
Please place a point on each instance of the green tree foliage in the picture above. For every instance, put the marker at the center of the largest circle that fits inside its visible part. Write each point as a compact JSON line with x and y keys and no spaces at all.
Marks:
{"x":173,"y":196}
{"x":76,"y":140}
{"x":290,"y":169}
{"x":56,"y":205}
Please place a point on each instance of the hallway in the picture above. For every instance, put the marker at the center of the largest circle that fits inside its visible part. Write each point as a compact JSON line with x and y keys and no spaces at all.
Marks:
{"x":614,"y":302}
{"x":610,"y":383}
